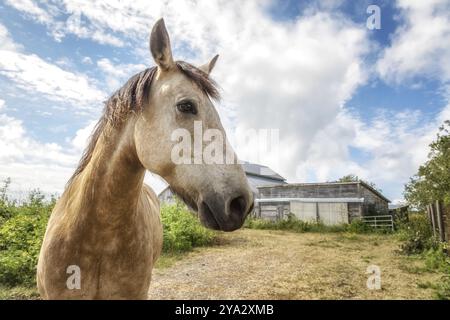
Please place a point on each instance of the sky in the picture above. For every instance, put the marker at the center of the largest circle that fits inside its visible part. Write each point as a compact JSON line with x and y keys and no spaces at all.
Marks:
{"x":343,"y":98}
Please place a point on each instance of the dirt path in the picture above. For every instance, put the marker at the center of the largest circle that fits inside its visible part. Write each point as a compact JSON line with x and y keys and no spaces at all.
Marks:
{"x":259,"y":264}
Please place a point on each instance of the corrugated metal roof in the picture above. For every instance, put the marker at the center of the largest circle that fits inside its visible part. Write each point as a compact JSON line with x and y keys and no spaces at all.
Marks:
{"x":260,"y":170}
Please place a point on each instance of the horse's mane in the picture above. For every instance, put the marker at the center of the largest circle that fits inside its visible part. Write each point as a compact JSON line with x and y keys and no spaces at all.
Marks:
{"x":132,"y":97}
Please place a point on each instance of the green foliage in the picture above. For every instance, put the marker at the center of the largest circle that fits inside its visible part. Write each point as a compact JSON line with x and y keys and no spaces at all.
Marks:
{"x":418,"y":238}
{"x":182,"y":230}
{"x":18,"y":293}
{"x":443,"y":288}
{"x":437,"y":259}
{"x":432,"y":182}
{"x":416,"y":234}
{"x":21,"y":234}
{"x":358,"y":226}
{"x":295,"y":225}
{"x":349,"y":178}
{"x":354,"y":178}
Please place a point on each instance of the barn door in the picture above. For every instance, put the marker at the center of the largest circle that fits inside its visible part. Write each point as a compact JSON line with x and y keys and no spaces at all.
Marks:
{"x":305,"y":211}
{"x":333,"y":213}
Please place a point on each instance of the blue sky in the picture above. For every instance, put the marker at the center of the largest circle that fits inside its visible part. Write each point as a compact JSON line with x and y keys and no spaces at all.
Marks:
{"x":344,"y":98}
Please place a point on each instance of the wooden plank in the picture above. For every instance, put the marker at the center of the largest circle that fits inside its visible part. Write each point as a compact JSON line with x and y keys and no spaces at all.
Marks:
{"x":439,"y":220}
{"x":333,"y":213}
{"x":304,"y":211}
{"x":433,"y":223}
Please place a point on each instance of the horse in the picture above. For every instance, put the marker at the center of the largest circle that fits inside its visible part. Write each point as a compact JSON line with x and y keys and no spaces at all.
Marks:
{"x":104,"y":234}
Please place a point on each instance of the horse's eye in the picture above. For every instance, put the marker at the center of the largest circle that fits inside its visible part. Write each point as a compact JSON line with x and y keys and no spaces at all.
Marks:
{"x":187,"y":107}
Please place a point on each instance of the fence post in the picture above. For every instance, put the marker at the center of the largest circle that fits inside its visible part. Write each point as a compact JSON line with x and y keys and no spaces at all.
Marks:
{"x":429,"y":213}
{"x":440,"y":220}
{"x":433,"y":222}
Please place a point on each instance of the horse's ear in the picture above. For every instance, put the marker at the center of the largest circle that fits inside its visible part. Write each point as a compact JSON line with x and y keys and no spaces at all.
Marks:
{"x":160,"y":46}
{"x":207,"y":67}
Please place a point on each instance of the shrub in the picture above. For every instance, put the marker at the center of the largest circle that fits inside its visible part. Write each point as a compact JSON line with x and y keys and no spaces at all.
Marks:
{"x":296,"y":225}
{"x":182,"y":230}
{"x":358,"y":226}
{"x":417,"y":235}
{"x":20,"y":240}
{"x":443,"y":288}
{"x":436,"y":259}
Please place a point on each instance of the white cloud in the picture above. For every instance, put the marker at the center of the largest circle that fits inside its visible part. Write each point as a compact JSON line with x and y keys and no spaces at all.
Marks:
{"x":5,"y":40}
{"x":293,"y":77}
{"x":33,"y":74}
{"x":31,"y":9}
{"x":79,"y":142}
{"x":116,"y":74}
{"x":32,"y":164}
{"x":87,"y":60}
{"x":2,"y":104}
{"x":421,"y":47}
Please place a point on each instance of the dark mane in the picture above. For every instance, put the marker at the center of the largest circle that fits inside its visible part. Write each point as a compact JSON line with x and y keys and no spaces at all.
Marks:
{"x":208,"y":86}
{"x":132,"y":97}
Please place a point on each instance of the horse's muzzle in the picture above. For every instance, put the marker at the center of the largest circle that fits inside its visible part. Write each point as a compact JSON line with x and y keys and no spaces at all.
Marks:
{"x":218,"y":213}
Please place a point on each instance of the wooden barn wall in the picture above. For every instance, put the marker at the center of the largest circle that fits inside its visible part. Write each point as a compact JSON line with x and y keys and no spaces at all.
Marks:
{"x":272,"y":211}
{"x":373,"y":204}
{"x":354,"y":210}
{"x":313,"y":191}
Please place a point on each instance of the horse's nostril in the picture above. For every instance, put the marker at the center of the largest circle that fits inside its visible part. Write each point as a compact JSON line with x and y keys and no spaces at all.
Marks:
{"x":237,"y":207}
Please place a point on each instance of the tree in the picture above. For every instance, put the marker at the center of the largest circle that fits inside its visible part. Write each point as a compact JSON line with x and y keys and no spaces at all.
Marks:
{"x":432,"y":181}
{"x":4,"y":190}
{"x":349,"y":178}
{"x":354,"y":178}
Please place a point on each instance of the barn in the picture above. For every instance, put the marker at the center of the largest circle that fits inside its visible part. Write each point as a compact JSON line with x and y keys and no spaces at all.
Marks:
{"x":330,"y":202}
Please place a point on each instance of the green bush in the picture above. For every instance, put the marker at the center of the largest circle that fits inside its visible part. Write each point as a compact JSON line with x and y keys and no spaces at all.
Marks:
{"x":21,"y":234}
{"x":358,"y":226}
{"x":418,"y":238}
{"x":437,"y":259}
{"x":443,"y":288}
{"x":182,"y":230}
{"x":296,"y":225}
{"x":417,"y":235}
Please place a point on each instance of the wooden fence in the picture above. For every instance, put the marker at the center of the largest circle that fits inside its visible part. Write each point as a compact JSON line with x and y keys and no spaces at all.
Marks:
{"x":440,"y":220}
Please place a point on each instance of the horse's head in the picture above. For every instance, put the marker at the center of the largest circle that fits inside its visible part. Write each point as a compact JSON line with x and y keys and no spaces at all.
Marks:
{"x":179,"y":104}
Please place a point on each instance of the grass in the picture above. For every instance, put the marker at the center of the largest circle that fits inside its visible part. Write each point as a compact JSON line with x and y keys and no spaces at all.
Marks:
{"x":277,"y":264}
{"x":294,"y":225}
{"x":18,"y":293}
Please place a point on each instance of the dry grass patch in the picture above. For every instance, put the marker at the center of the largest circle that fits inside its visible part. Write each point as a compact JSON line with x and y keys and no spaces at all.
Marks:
{"x":263,"y":264}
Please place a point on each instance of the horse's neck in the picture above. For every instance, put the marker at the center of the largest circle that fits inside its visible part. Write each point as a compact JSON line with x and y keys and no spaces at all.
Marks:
{"x":111,"y":183}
